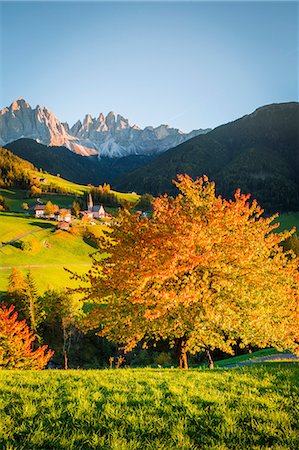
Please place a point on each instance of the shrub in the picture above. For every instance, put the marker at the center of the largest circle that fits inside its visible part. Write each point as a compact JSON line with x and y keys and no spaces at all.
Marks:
{"x":26,"y":246}
{"x":16,"y":343}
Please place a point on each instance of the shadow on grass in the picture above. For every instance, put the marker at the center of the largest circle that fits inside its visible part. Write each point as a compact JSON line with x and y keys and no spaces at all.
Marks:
{"x":16,"y":244}
{"x":89,"y":242}
{"x":42,"y":225}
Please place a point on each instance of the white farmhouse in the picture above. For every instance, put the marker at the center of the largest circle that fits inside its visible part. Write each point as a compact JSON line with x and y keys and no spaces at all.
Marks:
{"x":39,"y":211}
{"x":64,"y":215}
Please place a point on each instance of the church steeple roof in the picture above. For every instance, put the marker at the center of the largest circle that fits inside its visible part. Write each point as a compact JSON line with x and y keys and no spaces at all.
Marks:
{"x":90,"y":203}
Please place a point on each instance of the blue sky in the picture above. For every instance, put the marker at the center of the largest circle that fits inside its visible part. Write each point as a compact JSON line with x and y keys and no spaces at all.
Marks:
{"x":188,"y":64}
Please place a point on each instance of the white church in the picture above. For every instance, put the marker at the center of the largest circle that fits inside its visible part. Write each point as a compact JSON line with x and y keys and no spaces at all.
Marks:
{"x":95,"y":211}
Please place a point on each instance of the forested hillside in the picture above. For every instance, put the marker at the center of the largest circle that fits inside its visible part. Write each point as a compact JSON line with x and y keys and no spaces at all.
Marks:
{"x":258,"y":153}
{"x":14,"y":171}
{"x":74,"y":167}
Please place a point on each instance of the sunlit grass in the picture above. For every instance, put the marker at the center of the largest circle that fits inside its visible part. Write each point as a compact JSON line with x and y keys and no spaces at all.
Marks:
{"x":248,"y":408}
{"x":15,"y":197}
{"x":51,"y":251}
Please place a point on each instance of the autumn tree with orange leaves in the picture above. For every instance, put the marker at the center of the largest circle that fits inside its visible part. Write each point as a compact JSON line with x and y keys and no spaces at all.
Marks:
{"x":203,"y":272}
{"x":16,"y":343}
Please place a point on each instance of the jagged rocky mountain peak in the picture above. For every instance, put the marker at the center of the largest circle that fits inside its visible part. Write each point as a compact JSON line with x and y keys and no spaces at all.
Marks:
{"x":87,"y":120}
{"x":110,"y":120}
{"x":18,"y":104}
{"x":121,"y":122}
{"x":66,"y":126}
{"x":76,"y":127}
{"x":101,"y":118}
{"x":110,"y":136}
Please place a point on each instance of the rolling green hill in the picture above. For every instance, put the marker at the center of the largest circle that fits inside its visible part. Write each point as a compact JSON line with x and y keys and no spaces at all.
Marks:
{"x":258,"y":153}
{"x":52,"y":250}
{"x":17,"y":175}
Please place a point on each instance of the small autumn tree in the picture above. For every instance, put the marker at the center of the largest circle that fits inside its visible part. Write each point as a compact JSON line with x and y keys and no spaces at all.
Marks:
{"x":76,"y":209}
{"x":34,"y":191}
{"x":203,"y":273}
{"x":49,"y":208}
{"x":16,"y":343}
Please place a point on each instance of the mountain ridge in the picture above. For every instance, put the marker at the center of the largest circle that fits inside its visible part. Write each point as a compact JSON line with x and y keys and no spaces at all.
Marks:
{"x":258,"y":153}
{"x":74,"y":167}
{"x":111,"y":136}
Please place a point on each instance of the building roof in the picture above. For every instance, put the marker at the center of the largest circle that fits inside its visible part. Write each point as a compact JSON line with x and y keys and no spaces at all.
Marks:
{"x":95,"y":208}
{"x":39,"y":207}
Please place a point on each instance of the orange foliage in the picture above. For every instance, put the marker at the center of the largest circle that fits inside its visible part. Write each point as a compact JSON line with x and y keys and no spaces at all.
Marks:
{"x":202,"y":269}
{"x":16,"y":342}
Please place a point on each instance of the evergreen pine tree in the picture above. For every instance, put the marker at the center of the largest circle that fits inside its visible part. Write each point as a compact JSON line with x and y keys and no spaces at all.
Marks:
{"x":34,"y":311}
{"x":16,"y":292}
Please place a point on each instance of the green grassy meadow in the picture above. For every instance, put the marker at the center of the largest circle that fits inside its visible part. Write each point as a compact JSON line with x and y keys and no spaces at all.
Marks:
{"x":16,"y":197}
{"x":79,"y":189}
{"x":52,"y":250}
{"x":288,"y":220}
{"x":255,"y":407}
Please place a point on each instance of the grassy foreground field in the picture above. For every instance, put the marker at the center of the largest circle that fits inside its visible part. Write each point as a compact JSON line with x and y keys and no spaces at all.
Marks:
{"x":250,"y":408}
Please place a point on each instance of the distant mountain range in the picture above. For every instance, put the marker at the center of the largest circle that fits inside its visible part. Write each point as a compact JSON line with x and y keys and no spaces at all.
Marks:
{"x":258,"y":153}
{"x":111,"y":136}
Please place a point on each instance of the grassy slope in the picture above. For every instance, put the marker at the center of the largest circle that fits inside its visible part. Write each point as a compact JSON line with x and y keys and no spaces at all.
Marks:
{"x":288,"y":221}
{"x":61,"y":249}
{"x":248,"y":408}
{"x":246,"y":357}
{"x":80,"y":189}
{"x":52,"y":250}
{"x":16,"y":197}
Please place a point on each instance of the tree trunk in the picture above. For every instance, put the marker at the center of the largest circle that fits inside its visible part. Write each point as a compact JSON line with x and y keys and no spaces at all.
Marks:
{"x":32,"y":314}
{"x":111,"y":361}
{"x":66,"y":365}
{"x":182,"y":352}
{"x":210,"y":360}
{"x":64,"y":348}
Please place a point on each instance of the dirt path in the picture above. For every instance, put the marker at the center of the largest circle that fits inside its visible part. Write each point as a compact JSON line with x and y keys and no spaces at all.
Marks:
{"x":276,"y":357}
{"x":20,"y":237}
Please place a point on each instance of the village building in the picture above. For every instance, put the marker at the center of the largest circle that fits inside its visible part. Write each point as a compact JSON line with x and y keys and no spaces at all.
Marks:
{"x":39,"y":211}
{"x":64,"y":215}
{"x":64,"y":226}
{"x":95,"y":211}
